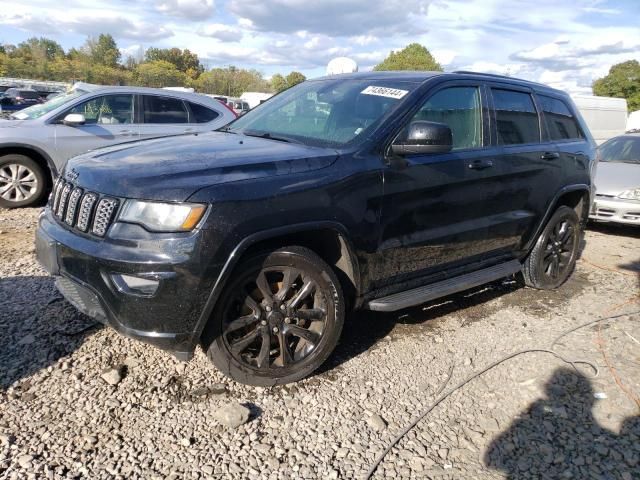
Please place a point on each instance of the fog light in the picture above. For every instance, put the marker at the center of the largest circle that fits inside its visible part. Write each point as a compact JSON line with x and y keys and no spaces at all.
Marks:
{"x":135,"y":285}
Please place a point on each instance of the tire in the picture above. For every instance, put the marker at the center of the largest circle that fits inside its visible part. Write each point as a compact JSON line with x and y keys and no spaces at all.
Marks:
{"x":23,"y":183}
{"x":287,"y":298}
{"x":554,"y":255}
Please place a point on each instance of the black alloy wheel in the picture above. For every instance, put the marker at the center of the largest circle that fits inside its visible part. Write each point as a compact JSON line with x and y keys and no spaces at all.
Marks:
{"x":278,"y":320}
{"x":554,"y":255}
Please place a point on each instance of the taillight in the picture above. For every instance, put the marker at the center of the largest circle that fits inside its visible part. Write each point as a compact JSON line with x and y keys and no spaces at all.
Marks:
{"x":229,"y":108}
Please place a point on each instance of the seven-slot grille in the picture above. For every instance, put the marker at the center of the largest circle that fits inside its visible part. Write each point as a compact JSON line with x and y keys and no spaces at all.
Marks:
{"x":86,"y":211}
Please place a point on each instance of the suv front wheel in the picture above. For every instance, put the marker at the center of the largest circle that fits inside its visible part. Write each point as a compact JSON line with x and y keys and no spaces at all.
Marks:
{"x":278,"y":319}
{"x":554,"y":255}
{"x":22,"y":181}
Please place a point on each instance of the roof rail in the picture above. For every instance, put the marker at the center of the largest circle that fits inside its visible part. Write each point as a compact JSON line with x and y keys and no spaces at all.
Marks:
{"x":496,"y":75}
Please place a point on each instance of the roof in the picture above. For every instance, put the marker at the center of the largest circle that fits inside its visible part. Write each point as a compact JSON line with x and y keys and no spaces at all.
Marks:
{"x":142,"y":90}
{"x":421,"y":76}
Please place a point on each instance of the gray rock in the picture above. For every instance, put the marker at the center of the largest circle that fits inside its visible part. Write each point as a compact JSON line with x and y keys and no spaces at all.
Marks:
{"x":27,"y":340}
{"x":113,"y":376}
{"x":232,"y":415}
{"x":25,"y":461}
{"x":376,"y":422}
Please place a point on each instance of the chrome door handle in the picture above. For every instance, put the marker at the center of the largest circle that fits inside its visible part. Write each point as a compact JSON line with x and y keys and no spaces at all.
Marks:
{"x":550,"y":156}
{"x":125,"y":132}
{"x":480,"y":164}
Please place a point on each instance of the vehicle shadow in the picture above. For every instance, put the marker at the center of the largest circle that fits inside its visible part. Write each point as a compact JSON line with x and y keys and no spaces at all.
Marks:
{"x":38,"y":328}
{"x":364,"y":328}
{"x":618,"y":229}
{"x":558,"y":437}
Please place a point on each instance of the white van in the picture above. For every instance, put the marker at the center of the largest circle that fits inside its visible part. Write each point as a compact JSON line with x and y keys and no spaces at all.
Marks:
{"x":606,"y":117}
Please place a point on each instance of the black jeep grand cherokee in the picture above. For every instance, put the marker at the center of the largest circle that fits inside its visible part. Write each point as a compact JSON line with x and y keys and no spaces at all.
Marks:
{"x":373,"y":190}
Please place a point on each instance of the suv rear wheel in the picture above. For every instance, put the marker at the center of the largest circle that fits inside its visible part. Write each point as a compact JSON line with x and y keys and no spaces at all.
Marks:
{"x":22,"y":181}
{"x":278,"y":320}
{"x":554,"y":255}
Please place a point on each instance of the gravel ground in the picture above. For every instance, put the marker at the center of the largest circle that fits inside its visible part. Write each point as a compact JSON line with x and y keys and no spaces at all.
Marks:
{"x":80,"y":401}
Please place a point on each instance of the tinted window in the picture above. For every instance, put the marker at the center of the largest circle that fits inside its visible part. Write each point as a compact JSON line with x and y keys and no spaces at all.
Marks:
{"x":30,"y":94}
{"x":516,"y":117}
{"x":459,"y":108}
{"x":164,"y":110}
{"x":561,"y":123}
{"x":106,"y":110}
{"x":202,"y":114}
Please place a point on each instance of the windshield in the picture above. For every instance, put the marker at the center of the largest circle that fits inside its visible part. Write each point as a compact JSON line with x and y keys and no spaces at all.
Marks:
{"x":39,"y":110}
{"x":323,"y":113}
{"x":621,"y":149}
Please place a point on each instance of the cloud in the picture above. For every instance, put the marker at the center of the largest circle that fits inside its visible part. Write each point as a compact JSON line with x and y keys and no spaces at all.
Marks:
{"x":344,"y":18}
{"x":116,"y":25}
{"x":190,"y":9}
{"x":226,"y":33}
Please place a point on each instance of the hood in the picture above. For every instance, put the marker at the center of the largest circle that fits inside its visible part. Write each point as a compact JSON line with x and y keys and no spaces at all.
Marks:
{"x":7,"y":123}
{"x":613,"y":178}
{"x":173,"y":168}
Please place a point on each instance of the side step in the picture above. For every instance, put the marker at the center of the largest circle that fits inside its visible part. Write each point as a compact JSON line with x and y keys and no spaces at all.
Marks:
{"x":419,"y":295}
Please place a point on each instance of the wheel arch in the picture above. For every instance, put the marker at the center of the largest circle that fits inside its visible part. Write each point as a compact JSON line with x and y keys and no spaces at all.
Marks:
{"x":577,"y":196}
{"x":34,"y":153}
{"x":329,"y":240}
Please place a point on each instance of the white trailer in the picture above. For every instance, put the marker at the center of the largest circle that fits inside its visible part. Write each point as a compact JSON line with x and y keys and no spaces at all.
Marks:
{"x":255,"y":98}
{"x":606,"y":117}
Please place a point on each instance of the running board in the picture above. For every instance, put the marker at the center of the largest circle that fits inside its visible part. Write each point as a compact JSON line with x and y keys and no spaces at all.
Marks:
{"x":420,"y":295}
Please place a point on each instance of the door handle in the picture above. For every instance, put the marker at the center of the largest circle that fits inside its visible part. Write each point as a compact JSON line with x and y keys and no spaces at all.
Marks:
{"x":481,"y":164}
{"x":125,"y":132}
{"x":550,"y":156}
{"x":189,"y":130}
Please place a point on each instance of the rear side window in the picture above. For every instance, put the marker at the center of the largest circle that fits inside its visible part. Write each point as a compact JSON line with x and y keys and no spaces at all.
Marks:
{"x":202,"y":114}
{"x":164,"y":110}
{"x":30,"y":94}
{"x":460,"y":109}
{"x":516,"y":117}
{"x":561,"y":123}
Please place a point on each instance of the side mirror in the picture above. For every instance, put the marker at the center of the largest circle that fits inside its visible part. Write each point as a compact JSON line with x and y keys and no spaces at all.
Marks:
{"x":74,"y":119}
{"x":423,"y":137}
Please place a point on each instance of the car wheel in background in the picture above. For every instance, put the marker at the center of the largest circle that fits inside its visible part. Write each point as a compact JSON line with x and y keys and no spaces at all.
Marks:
{"x":554,"y":255}
{"x":22,"y":181}
{"x":278,"y":319}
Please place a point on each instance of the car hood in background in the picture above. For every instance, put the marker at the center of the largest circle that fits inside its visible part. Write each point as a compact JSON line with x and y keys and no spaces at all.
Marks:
{"x":613,"y":178}
{"x":173,"y":168}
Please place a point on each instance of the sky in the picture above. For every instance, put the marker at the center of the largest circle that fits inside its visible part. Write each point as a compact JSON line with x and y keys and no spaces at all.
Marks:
{"x":564,"y":43}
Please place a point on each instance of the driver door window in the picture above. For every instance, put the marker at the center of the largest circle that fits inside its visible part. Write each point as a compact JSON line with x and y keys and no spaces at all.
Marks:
{"x":106,"y":110}
{"x":460,"y":109}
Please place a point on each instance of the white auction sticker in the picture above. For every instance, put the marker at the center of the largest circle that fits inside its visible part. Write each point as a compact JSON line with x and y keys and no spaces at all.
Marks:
{"x":384,"y":92}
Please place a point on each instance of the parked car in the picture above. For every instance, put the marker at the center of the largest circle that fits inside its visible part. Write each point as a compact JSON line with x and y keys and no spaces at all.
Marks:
{"x":255,"y":240}
{"x":240,"y":107}
{"x":14,"y":99}
{"x":618,"y":181}
{"x":43,"y":137}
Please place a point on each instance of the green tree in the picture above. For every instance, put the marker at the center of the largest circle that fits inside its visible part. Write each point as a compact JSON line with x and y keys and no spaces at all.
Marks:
{"x":158,"y":73}
{"x":103,"y":50}
{"x":278,"y":83}
{"x":623,"y":81}
{"x":295,"y":78}
{"x":412,"y":57}
{"x":184,"y":60}
{"x":231,"y":81}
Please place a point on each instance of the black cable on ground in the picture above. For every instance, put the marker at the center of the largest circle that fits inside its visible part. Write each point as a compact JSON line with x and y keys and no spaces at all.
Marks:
{"x":440,"y":399}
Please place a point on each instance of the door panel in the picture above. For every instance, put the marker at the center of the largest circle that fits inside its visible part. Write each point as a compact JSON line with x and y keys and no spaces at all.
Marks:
{"x":109,"y":121}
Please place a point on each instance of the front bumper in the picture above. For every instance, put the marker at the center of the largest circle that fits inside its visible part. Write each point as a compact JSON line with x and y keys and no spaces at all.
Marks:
{"x":84,"y":268}
{"x":611,"y":209}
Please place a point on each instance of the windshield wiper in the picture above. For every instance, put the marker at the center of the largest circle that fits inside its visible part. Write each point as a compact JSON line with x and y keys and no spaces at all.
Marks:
{"x":268,"y":136}
{"x":226,"y":129}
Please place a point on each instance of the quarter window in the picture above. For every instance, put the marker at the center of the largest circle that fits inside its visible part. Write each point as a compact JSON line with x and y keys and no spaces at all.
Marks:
{"x":516,"y":117}
{"x":460,"y":109}
{"x":164,"y":110}
{"x":106,"y":110}
{"x":561,"y":123}
{"x":202,"y":114}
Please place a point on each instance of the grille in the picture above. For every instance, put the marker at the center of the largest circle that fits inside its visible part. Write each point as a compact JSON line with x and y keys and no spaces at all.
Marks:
{"x":84,"y":211}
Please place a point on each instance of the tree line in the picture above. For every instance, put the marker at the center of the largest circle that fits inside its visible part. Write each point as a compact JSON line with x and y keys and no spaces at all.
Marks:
{"x":100,"y":61}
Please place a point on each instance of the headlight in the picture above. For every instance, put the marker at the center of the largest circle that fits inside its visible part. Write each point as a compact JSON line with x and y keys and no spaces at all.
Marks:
{"x":163,"y":217}
{"x":633,"y":194}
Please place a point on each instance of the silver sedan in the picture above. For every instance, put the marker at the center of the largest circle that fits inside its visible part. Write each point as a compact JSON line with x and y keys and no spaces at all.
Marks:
{"x":618,"y":181}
